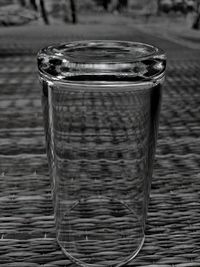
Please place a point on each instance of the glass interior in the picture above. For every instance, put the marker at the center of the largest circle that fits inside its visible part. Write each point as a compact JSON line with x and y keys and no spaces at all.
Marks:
{"x":101,"y":103}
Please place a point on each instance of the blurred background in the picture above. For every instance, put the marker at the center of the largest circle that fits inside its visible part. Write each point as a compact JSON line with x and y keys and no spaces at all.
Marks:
{"x":27,"y":25}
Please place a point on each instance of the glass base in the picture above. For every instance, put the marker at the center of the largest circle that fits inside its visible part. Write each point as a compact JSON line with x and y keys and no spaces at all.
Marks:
{"x":100,"y":231}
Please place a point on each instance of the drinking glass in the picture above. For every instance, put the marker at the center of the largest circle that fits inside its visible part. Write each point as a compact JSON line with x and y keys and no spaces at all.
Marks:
{"x":101,"y":102}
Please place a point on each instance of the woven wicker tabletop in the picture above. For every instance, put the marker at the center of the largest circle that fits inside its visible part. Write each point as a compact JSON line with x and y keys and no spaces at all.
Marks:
{"x":27,"y":233}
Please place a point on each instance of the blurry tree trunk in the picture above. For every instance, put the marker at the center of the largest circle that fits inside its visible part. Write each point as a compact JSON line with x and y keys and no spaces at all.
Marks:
{"x":44,"y":13}
{"x":34,"y":5}
{"x":121,"y":4}
{"x":125,"y":3}
{"x":158,"y":7}
{"x":196,"y":23}
{"x":22,"y":2}
{"x":65,"y":11}
{"x":73,"y":11}
{"x":105,"y":4}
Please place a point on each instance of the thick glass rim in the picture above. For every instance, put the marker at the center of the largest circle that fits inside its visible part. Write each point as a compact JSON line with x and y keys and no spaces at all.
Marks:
{"x":101,"y":58}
